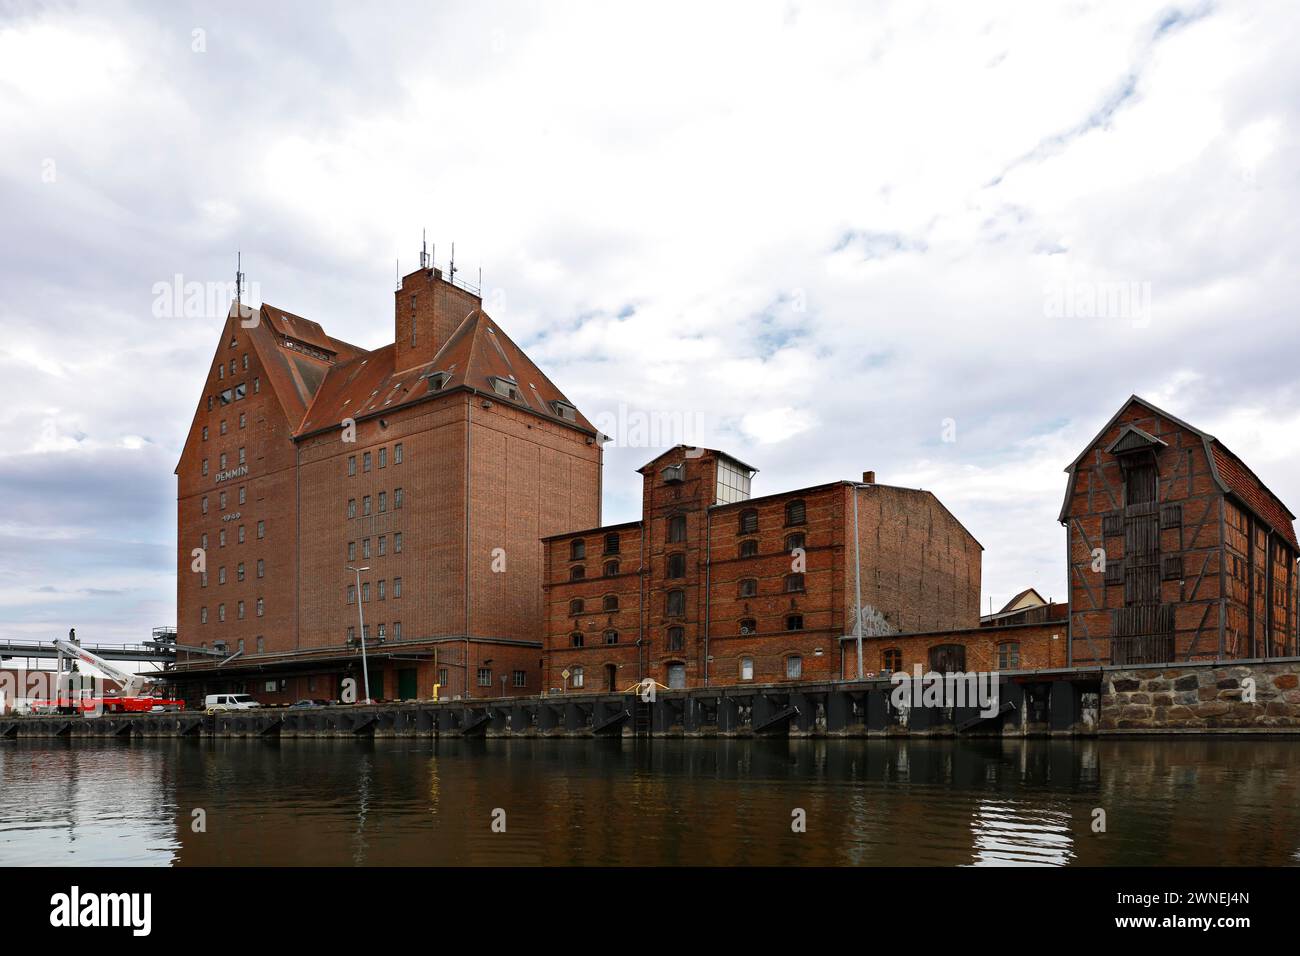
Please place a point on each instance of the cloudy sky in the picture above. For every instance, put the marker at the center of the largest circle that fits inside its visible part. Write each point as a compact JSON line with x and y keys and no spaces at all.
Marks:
{"x":942,"y":242}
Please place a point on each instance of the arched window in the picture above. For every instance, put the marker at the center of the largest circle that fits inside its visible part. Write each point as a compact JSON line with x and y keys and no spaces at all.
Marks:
{"x":748,"y":548}
{"x":891,"y":660}
{"x":676,"y":640}
{"x":749,"y":587}
{"x":748,"y":626}
{"x":749,"y":521}
{"x":609,"y":602}
{"x":676,"y":565}
{"x":611,"y":569}
{"x":575,"y":606}
{"x":747,"y":668}
{"x":675,"y":603}
{"x":611,"y":636}
{"x":793,"y":583}
{"x":575,"y":676}
{"x":577,"y":549}
{"x":793,"y":541}
{"x":611,"y":543}
{"x":576,"y":639}
{"x":577,"y":572}
{"x":796,"y":512}
{"x":677,"y":528}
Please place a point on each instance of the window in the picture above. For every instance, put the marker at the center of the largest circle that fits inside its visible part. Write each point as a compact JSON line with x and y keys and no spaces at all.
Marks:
{"x":261,"y":529}
{"x":397,"y":453}
{"x":443,"y":676}
{"x":794,"y":622}
{"x":796,"y":512}
{"x":221,"y":460}
{"x":365,"y":591}
{"x":383,"y":589}
{"x":576,"y":639}
{"x":793,"y":541}
{"x":205,"y":432}
{"x":609,"y":602}
{"x":793,"y":583}
{"x":676,"y":566}
{"x":203,"y":615}
{"x":241,"y":534}
{"x":397,"y":543}
{"x":520,"y":678}
{"x":203,"y":541}
{"x":677,"y":676}
{"x":611,"y":569}
{"x":793,"y":667}
{"x":575,"y":675}
{"x":397,"y":587}
{"x":365,"y":548}
{"x":365,"y":505}
{"x":221,"y":575}
{"x":239,"y":571}
{"x":352,"y":635}
{"x":381,"y":633}
{"x":365,"y":461}
{"x":675,"y":603}
{"x":397,"y":498}
{"x":747,"y":668}
{"x":242,"y":457}
{"x":575,"y":606}
{"x":485,"y":677}
{"x":257,"y":384}
{"x":577,"y":549}
{"x":243,"y":420}
{"x":243,"y":494}
{"x":261,"y":645}
{"x":352,"y":594}
{"x":205,"y":466}
{"x":352,"y":507}
{"x":1008,"y":655}
{"x":352,"y":550}
{"x":611,"y":543}
{"x":677,"y":528}
{"x":261,"y":607}
{"x":383,"y":545}
{"x":383,"y":458}
{"x":383,"y":502}
{"x":241,"y":390}
{"x":352,"y":465}
{"x":221,"y":612}
{"x":947,"y":658}
{"x":565,"y":411}
{"x":261,"y":568}
{"x":507,"y":389}
{"x":397,"y":630}
{"x":611,"y":637}
{"x":221,"y":427}
{"x":676,"y":639}
{"x":203,"y":505}
{"x":221,"y":501}
{"x":748,"y":626}
{"x":749,"y":587}
{"x":891,"y":660}
{"x":749,"y":521}
{"x":221,"y":538}
{"x":577,"y":572}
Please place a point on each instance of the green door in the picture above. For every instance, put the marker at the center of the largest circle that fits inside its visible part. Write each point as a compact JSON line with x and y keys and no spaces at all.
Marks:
{"x":406,"y":683}
{"x":376,"y":683}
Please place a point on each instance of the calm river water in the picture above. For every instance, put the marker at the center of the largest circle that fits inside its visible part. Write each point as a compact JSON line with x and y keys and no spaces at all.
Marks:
{"x":706,"y":802}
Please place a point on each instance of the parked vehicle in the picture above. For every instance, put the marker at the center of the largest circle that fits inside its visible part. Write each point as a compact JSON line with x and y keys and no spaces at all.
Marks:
{"x":308,"y":704}
{"x":219,"y":702}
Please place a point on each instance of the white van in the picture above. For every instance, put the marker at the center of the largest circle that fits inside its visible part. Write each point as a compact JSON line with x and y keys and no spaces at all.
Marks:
{"x":215,"y":702}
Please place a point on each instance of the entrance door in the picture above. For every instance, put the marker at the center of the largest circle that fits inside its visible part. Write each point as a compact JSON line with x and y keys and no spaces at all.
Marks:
{"x":611,"y":677}
{"x":676,"y":676}
{"x":406,"y":683}
{"x":376,"y":683}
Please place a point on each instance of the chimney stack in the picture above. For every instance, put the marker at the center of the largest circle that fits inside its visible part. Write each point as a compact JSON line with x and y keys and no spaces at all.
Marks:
{"x":868,"y":477}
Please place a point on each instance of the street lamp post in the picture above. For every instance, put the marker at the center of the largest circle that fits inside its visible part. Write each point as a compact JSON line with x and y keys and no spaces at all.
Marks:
{"x":361,"y":619}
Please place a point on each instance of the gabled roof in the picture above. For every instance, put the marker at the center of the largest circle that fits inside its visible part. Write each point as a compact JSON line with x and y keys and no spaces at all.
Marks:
{"x":1230,"y":472}
{"x":477,"y":353}
{"x":1011,"y":605}
{"x":698,"y":451}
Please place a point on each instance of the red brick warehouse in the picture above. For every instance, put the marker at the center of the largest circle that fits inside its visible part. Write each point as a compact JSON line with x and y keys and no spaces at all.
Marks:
{"x":438,"y":462}
{"x":713,"y":587}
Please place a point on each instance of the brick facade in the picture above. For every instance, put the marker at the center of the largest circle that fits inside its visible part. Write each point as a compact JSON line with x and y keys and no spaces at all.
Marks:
{"x":436,"y":463}
{"x":710,"y":591}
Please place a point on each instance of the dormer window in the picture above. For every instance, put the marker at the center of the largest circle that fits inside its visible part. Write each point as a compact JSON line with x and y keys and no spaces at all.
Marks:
{"x":507,"y":389}
{"x":437,"y":380}
{"x":565,"y":411}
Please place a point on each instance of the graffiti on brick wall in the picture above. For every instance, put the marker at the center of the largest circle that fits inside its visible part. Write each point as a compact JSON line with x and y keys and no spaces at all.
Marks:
{"x":874,"y":623}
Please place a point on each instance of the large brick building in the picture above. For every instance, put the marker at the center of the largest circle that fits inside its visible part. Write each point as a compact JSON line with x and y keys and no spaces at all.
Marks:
{"x":714,"y":587}
{"x":435,"y":464}
{"x":1199,"y":556}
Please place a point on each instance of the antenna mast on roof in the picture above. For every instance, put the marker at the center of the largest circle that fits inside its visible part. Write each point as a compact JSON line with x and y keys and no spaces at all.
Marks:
{"x":453,"y":262}
{"x":239,"y":281}
{"x":424,"y":255}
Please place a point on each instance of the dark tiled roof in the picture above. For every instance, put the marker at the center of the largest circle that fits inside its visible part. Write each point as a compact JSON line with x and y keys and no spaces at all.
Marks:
{"x":1241,"y":481}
